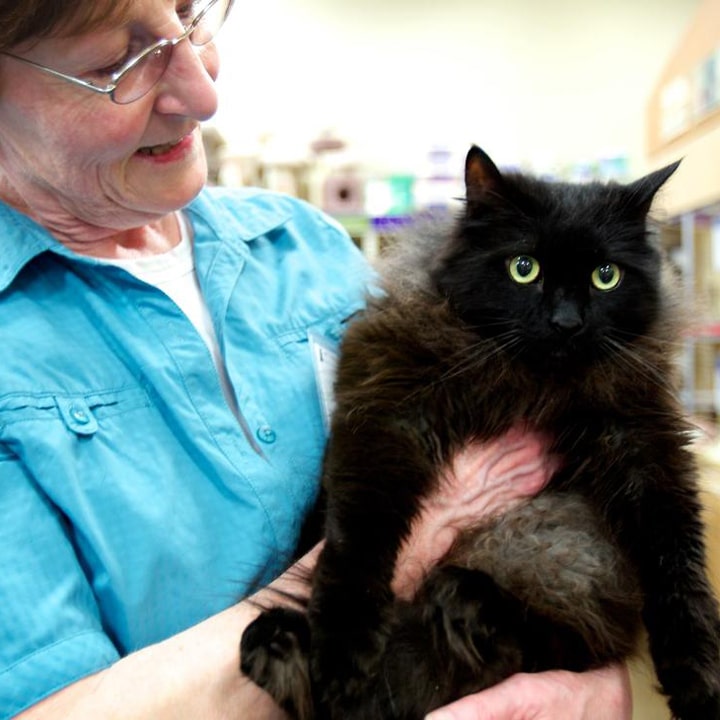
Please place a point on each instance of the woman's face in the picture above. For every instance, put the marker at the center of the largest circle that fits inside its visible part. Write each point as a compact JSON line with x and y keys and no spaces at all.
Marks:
{"x":73,"y":158}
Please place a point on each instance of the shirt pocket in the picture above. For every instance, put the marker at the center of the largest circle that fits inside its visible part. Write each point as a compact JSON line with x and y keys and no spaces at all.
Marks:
{"x":295,"y":342}
{"x":52,"y":430}
{"x":80,"y":412}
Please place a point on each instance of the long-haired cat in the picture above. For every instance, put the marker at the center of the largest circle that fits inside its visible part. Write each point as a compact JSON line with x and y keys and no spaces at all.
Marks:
{"x":546,"y":306}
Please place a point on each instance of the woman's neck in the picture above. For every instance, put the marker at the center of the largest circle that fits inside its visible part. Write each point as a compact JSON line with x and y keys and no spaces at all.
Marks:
{"x":154,"y":238}
{"x":157,"y":235}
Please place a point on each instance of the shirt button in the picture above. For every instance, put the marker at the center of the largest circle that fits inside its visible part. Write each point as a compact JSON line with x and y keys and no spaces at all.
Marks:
{"x":79,"y":415}
{"x":266,"y":434}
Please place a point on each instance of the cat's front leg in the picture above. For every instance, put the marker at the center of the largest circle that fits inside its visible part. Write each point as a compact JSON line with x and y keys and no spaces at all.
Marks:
{"x":349,"y":613}
{"x":374,"y":493}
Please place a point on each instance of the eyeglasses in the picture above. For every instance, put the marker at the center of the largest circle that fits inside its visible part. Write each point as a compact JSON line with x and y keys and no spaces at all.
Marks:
{"x":140,"y":74}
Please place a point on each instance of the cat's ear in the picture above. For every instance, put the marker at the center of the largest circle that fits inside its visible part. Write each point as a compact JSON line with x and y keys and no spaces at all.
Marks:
{"x":643,"y":191}
{"x":482,"y":179}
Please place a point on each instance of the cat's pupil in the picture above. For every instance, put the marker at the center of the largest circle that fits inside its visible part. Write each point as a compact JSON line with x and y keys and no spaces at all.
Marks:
{"x":524,"y":266}
{"x":606,"y":273}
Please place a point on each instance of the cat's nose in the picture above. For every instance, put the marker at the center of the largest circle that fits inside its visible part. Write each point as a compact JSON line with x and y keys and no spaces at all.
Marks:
{"x":566,"y":317}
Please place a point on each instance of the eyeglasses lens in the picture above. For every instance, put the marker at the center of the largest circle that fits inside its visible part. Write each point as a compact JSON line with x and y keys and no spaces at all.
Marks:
{"x":143,"y":76}
{"x":146,"y":73}
{"x":209,"y":23}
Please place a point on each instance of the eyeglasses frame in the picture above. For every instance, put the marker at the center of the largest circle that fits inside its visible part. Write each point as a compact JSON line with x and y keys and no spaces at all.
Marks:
{"x":117,"y":77}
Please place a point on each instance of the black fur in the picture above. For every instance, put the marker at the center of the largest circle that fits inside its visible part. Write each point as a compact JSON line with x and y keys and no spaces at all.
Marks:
{"x":467,"y":342}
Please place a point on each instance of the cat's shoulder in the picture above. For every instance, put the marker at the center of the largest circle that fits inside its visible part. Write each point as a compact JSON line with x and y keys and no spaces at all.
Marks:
{"x":406,"y":264}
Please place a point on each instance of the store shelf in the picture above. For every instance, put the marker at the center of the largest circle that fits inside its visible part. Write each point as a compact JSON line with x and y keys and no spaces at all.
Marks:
{"x":683,"y":122}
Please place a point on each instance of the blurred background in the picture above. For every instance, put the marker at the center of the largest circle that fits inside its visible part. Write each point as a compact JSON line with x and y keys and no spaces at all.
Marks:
{"x":553,"y":84}
{"x":367,"y":108}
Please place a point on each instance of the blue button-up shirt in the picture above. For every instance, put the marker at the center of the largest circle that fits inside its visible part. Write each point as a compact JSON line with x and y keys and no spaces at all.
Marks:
{"x":133,"y":503}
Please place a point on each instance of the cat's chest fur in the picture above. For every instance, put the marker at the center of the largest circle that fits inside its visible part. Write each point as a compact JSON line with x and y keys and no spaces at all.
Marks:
{"x":415,"y":365}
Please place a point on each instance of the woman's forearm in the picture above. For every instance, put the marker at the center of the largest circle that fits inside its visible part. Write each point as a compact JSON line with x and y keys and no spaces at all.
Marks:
{"x":194,"y":675}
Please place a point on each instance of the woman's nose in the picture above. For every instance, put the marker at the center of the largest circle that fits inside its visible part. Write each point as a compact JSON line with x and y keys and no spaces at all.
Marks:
{"x":188,"y":85}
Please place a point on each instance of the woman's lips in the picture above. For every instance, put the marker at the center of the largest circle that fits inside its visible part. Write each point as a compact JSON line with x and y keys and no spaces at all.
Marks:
{"x":157,"y":149}
{"x":167,"y":151}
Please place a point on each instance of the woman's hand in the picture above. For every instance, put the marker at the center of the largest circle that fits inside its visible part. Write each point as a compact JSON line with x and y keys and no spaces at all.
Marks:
{"x":603,"y":694}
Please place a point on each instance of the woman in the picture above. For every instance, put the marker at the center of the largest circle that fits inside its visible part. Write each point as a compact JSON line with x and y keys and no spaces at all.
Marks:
{"x":160,"y":422}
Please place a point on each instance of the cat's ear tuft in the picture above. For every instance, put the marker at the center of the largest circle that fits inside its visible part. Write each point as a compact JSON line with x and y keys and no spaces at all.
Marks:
{"x":482,"y":178}
{"x":643,"y":191}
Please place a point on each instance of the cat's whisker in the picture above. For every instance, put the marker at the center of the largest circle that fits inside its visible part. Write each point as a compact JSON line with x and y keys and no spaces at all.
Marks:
{"x":474,"y":358}
{"x":635,"y":361}
{"x":637,"y":368}
{"x":469,"y":359}
{"x":653,"y":341}
{"x":638,"y":363}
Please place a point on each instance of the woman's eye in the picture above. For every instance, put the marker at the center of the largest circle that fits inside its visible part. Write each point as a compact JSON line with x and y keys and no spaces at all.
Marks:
{"x":187,"y":11}
{"x":524,"y":269}
{"x":107,"y":72}
{"x":606,"y":277}
{"x":135,"y":46}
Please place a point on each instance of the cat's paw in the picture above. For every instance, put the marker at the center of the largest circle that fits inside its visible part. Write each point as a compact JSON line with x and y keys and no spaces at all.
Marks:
{"x":480,"y":625}
{"x":690,"y":676}
{"x":274,"y":654}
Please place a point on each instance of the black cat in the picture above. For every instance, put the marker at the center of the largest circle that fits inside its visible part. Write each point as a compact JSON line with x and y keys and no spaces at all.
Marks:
{"x":549,"y":305}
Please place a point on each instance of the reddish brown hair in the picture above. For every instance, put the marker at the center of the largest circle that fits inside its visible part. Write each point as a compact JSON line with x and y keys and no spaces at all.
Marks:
{"x":25,"y":20}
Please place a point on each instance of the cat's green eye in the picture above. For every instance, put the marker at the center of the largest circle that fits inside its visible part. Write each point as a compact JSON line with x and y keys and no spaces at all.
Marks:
{"x":606,"y":277}
{"x":524,"y":269}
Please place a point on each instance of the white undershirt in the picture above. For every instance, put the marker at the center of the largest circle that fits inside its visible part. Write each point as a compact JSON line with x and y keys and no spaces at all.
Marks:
{"x":173,"y":272}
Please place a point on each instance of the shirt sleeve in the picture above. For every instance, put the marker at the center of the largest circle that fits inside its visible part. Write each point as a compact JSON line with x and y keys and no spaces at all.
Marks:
{"x":50,"y":630}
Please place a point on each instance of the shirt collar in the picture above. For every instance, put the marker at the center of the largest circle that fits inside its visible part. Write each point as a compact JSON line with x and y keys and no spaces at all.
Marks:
{"x":22,"y":240}
{"x":248,"y":220}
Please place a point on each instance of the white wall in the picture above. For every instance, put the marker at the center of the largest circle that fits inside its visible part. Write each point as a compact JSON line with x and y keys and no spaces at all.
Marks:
{"x":545,"y":82}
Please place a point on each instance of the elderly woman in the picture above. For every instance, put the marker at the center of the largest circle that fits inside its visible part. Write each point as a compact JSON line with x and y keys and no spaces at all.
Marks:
{"x":160,"y":410}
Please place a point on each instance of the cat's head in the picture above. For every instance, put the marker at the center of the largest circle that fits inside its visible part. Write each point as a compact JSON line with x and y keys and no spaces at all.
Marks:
{"x":563,"y":274}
